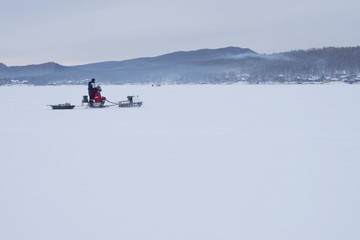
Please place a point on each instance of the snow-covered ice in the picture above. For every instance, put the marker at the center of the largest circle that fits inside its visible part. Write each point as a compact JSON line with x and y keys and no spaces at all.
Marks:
{"x":274,"y":162}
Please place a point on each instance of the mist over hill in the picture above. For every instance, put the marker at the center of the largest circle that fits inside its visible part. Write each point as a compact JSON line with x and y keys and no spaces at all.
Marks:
{"x":224,"y":65}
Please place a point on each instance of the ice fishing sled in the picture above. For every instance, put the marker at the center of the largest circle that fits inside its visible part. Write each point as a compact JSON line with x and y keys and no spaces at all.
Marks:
{"x":62,"y":106}
{"x":132,"y":101}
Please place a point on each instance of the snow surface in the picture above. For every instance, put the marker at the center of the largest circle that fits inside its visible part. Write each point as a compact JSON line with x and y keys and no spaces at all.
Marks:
{"x":195,"y":162}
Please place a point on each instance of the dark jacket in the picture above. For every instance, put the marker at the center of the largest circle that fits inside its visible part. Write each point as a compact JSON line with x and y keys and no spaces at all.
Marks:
{"x":91,"y":88}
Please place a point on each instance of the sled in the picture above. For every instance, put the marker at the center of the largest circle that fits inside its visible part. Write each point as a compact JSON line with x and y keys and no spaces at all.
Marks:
{"x":133,"y":101}
{"x":62,"y":106}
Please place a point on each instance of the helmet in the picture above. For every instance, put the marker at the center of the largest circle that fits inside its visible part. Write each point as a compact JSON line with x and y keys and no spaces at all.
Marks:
{"x":98,"y":88}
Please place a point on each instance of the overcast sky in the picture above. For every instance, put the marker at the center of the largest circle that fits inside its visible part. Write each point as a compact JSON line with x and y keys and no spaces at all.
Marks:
{"x":72,"y":32}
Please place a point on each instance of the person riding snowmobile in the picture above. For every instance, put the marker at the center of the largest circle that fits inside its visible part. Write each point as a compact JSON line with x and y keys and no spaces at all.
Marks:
{"x":91,"y":89}
{"x":97,"y":95}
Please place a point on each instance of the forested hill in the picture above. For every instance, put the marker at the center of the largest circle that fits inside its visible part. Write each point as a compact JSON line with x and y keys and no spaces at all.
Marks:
{"x":229,"y":64}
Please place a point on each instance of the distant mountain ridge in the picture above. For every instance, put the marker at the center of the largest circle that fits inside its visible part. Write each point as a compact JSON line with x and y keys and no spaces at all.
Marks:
{"x":2,"y":65}
{"x":31,"y":70}
{"x":200,"y":66}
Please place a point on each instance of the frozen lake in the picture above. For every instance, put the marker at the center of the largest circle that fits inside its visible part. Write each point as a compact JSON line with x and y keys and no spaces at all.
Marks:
{"x":207,"y":162}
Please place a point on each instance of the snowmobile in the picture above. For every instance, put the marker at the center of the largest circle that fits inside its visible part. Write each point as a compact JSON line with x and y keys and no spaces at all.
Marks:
{"x":91,"y":104}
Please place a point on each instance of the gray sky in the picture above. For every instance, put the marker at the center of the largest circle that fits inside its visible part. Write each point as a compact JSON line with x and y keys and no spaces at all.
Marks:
{"x":73,"y":32}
